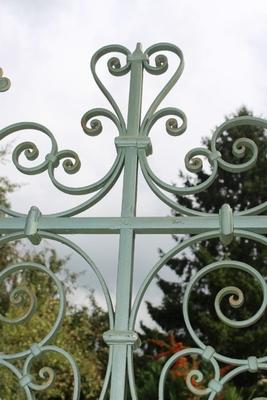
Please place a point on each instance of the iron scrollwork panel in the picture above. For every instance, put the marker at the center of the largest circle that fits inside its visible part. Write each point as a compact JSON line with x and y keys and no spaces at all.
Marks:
{"x":207,"y":352}
{"x":176,"y":125}
{"x":17,"y":298}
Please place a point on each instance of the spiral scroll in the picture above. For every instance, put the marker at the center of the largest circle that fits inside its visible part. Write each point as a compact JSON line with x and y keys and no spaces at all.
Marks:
{"x":176,"y":124}
{"x":214,"y":383}
{"x":161,"y":66}
{"x":24,"y":299}
{"x":193,"y":161}
{"x":115,"y":68}
{"x":70,"y":162}
{"x":19,"y":297}
{"x":236,"y":299}
{"x":91,"y":125}
{"x":231,"y":290}
{"x":20,"y":293}
{"x":48,"y":373}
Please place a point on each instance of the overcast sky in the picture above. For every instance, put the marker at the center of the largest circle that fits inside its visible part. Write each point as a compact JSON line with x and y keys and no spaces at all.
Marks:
{"x":45,"y":49}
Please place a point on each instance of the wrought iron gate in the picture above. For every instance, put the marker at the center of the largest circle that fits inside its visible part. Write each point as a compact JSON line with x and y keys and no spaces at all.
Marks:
{"x":133,"y":146}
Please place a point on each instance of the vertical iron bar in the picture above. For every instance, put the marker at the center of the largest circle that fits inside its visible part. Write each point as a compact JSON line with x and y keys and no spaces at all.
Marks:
{"x":127,"y":235}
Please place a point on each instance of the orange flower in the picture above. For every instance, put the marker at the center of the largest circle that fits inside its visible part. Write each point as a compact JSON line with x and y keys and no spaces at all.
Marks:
{"x":225,"y":369}
{"x":183,"y":365}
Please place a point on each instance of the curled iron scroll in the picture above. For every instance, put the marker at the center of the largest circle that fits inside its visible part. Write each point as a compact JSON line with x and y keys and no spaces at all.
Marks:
{"x":91,"y":125}
{"x":193,"y":163}
{"x":175,"y":125}
{"x":236,"y":299}
{"x":70,"y":160}
{"x":18,"y":297}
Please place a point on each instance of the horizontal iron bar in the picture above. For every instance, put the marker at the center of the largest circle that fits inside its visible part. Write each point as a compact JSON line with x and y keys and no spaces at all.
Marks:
{"x":141,"y":225}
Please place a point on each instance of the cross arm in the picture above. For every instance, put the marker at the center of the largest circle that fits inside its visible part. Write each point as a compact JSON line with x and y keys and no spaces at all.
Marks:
{"x":141,"y":225}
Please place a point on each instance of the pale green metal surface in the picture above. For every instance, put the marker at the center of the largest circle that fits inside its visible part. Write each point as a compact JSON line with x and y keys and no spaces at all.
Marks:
{"x":4,"y":82}
{"x":133,"y":146}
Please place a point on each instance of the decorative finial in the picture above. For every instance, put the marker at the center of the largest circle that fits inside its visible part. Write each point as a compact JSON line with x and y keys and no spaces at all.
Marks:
{"x":138,"y":53}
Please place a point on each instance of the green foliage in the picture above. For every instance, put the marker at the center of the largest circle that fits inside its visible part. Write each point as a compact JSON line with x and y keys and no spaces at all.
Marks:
{"x":241,"y":191}
{"x":149,"y":374}
{"x":231,"y":393}
{"x":80,"y":334}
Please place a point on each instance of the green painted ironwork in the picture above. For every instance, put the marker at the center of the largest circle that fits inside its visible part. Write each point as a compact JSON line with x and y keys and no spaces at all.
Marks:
{"x":133,"y":145}
{"x":4,"y":82}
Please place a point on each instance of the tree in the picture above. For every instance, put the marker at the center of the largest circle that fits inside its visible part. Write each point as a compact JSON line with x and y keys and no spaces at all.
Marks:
{"x":240,"y":191}
{"x":80,"y":334}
